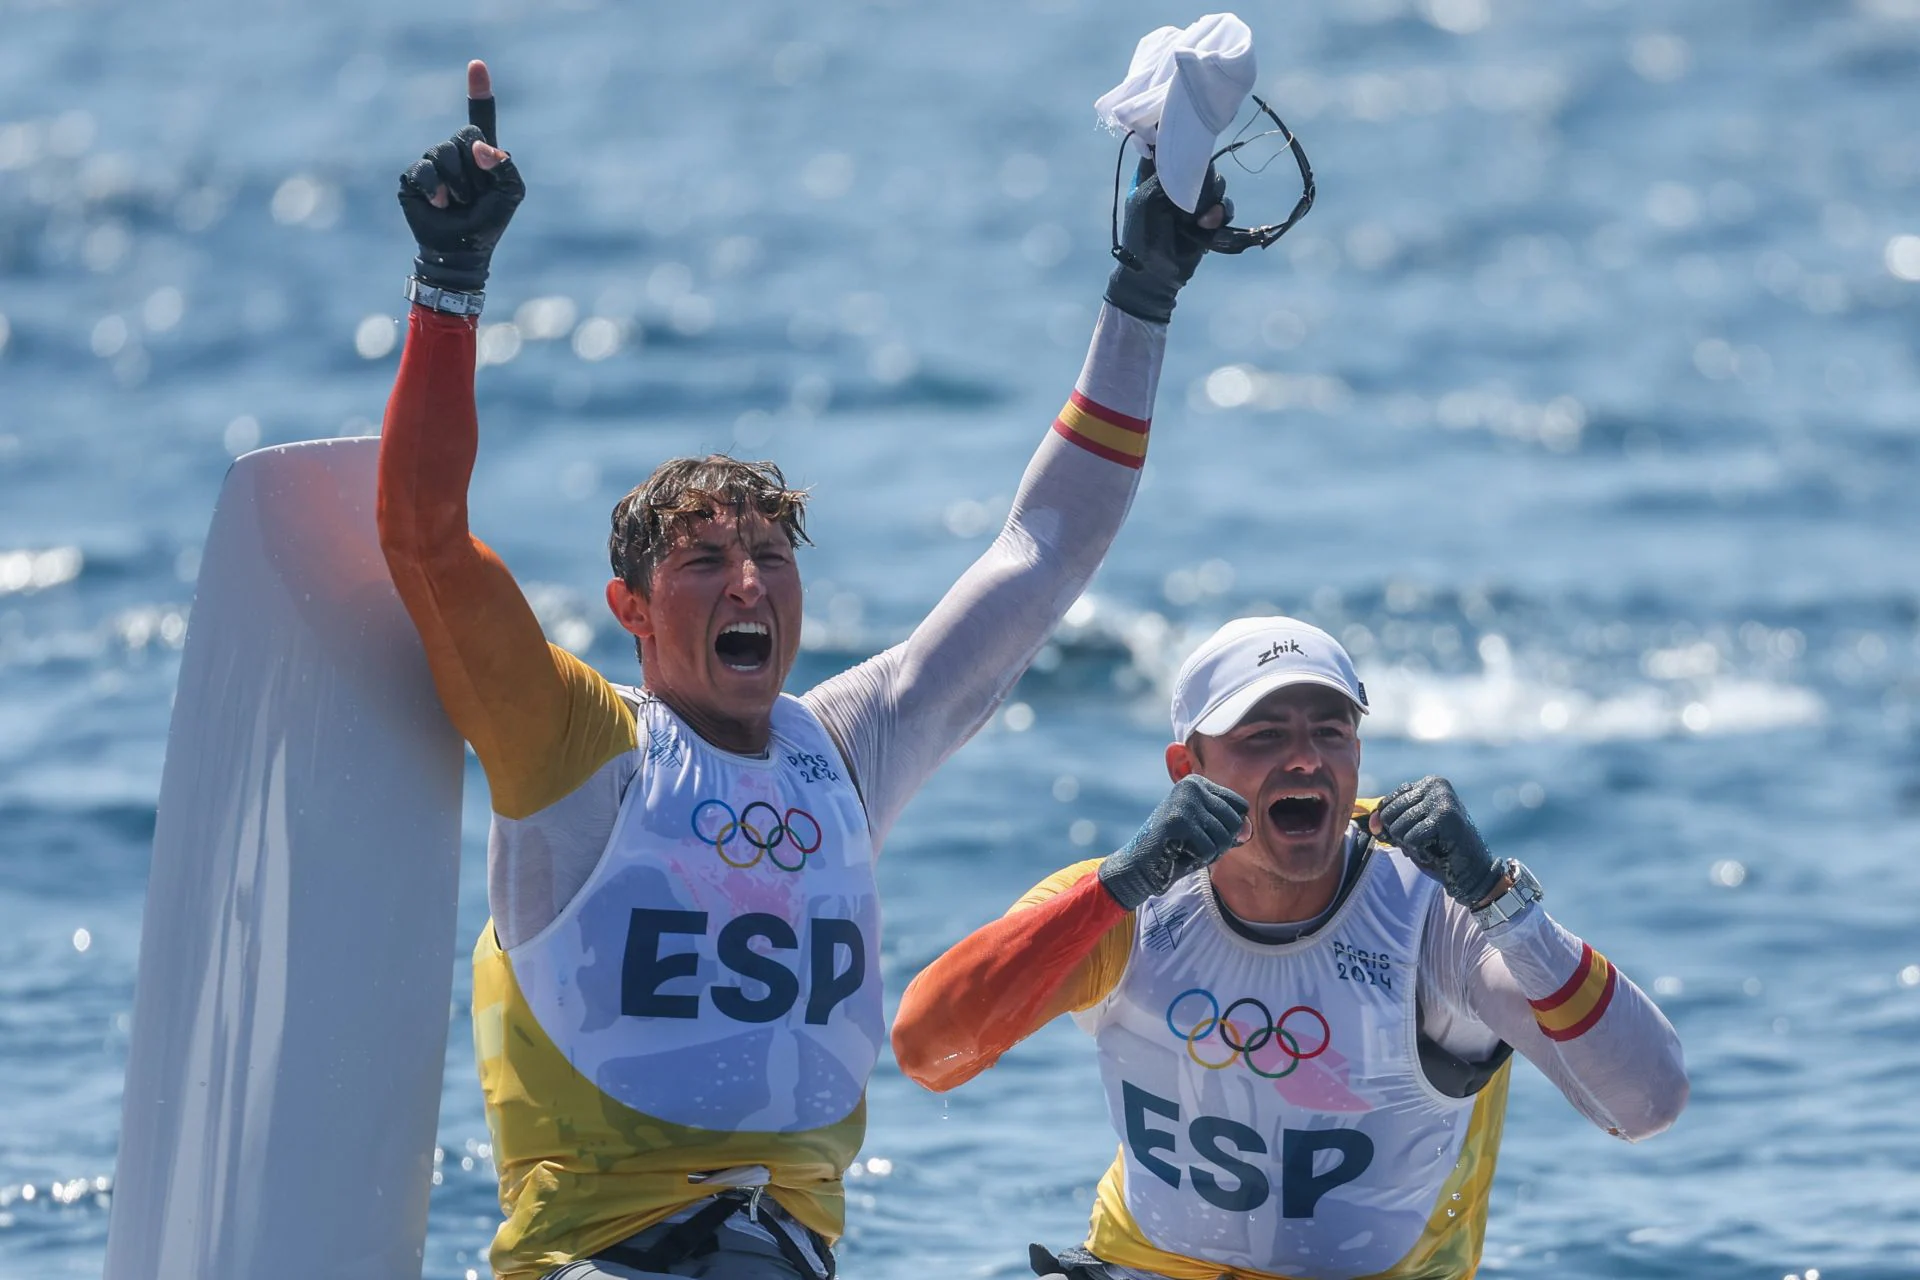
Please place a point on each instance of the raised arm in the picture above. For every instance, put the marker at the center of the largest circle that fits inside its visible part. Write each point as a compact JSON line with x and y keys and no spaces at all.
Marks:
{"x":506,"y":690}
{"x":902,"y":713}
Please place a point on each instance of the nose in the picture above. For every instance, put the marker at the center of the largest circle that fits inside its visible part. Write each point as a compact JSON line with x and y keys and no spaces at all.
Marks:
{"x":746,"y":586}
{"x":1300,"y":754}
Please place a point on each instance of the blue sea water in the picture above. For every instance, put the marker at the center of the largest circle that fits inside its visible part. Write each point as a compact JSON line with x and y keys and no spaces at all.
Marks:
{"x":1585,"y":407}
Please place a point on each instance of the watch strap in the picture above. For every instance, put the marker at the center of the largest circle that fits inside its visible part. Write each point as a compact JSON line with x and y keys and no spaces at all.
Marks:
{"x":1524,"y":891}
{"x":451,"y":301}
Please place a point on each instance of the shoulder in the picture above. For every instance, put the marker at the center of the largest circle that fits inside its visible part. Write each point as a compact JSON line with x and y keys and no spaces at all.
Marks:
{"x":536,"y":760}
{"x":1056,"y":884}
{"x":596,"y":700}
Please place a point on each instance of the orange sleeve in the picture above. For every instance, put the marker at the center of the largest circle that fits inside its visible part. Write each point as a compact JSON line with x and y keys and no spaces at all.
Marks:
{"x":528,"y":709}
{"x":1063,"y":947}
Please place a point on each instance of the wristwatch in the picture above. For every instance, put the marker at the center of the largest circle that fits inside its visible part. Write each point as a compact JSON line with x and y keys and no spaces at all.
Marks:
{"x":451,"y":301}
{"x":1524,"y":889}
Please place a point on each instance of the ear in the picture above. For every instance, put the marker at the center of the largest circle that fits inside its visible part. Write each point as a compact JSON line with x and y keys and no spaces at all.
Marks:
{"x":1180,"y":761}
{"x":630,"y":609}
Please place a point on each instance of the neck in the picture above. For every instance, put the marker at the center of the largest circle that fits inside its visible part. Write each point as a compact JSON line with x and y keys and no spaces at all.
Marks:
{"x":742,"y":737}
{"x":1255,"y":892}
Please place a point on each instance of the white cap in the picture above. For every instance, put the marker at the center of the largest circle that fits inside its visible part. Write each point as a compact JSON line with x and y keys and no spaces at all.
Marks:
{"x":1248,"y":659}
{"x":1182,"y":90}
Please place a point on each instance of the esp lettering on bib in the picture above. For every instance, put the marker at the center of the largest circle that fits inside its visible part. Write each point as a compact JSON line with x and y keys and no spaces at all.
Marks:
{"x":836,"y":966}
{"x":1221,"y":1146}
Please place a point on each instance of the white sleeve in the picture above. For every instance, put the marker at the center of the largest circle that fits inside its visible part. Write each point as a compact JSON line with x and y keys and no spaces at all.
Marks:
{"x":900,"y":714}
{"x":1531,"y":983}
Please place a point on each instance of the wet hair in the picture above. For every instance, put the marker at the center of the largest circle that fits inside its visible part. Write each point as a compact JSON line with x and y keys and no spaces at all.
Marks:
{"x":664,"y":508}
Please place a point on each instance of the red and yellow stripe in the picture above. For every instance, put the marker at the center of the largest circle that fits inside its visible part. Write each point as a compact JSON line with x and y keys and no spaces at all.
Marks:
{"x":1103,"y":431}
{"x":1579,"y":1003}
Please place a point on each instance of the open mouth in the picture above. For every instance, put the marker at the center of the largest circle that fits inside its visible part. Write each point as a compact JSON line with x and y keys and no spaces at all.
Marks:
{"x":1300,"y":815}
{"x":744,"y":646}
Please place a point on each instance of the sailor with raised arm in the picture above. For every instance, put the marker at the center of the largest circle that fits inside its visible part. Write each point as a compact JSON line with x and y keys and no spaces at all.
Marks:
{"x":677,"y":999}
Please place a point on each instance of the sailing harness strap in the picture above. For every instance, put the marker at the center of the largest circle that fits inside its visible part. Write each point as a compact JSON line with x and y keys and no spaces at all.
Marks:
{"x":1076,"y":1263}
{"x":699,"y":1234}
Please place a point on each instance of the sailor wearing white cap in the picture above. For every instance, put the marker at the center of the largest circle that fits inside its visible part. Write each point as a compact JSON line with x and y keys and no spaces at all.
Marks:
{"x":1304,"y":1005}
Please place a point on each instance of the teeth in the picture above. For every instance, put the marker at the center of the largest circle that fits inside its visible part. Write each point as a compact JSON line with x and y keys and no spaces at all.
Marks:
{"x":758,"y":630}
{"x":1298,"y":795}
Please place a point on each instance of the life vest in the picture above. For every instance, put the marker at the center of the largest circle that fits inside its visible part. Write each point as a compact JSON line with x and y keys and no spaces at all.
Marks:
{"x":1273,"y":1114}
{"x":709,"y":1001}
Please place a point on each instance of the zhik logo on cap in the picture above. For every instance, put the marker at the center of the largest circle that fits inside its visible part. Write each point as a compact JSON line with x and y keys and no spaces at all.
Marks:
{"x":1279,"y":647}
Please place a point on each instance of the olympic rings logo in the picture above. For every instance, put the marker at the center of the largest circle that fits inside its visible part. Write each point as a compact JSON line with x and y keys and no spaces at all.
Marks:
{"x":1247,"y":1041}
{"x":763,"y":837}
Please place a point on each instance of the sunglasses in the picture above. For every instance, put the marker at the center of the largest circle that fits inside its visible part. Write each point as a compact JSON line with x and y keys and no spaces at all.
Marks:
{"x":1233,"y":239}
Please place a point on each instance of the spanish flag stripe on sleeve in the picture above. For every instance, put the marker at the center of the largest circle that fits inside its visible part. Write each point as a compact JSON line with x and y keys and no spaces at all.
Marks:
{"x":1139,"y":426}
{"x":1585,"y":1024}
{"x":1103,"y":431}
{"x":1579,"y":1003}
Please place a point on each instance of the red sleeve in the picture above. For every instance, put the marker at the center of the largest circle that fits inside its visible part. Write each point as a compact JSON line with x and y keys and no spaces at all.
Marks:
{"x":505,"y":690}
{"x":1006,"y":980}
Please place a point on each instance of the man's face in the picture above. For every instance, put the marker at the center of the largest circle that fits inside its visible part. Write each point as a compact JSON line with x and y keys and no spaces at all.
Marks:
{"x":720,"y":628}
{"x":1295,"y":759}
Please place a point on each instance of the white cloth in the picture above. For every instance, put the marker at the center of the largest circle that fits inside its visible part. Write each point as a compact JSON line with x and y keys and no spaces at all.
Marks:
{"x":1182,"y":90}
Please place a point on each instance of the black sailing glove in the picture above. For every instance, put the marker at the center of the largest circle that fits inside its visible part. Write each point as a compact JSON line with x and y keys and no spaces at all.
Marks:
{"x":1193,"y":826}
{"x":456,"y":243}
{"x":1426,"y":821}
{"x":1162,"y":244}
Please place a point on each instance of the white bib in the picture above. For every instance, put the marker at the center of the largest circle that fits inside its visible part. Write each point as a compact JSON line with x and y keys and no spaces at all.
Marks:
{"x":1271,"y":1107}
{"x":721,"y":967}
